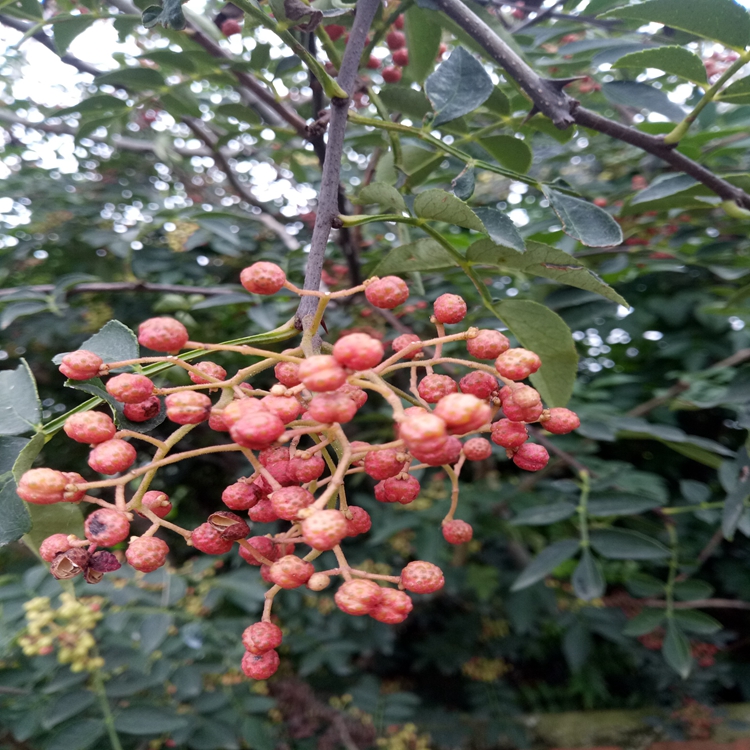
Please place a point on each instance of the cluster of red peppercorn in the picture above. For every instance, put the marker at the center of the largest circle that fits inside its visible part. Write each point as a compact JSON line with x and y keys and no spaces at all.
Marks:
{"x":315,"y":394}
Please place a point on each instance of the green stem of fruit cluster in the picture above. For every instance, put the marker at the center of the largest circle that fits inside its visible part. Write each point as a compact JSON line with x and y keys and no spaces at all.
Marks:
{"x":674,"y":562}
{"x":681,"y":129}
{"x":583,"y":502}
{"x":109,"y":719}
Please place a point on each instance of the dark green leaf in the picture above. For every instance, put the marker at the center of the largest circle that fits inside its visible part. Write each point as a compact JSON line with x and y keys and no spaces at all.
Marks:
{"x":140,"y":79}
{"x":643,"y":96}
{"x":676,"y":650}
{"x":181,"y":102}
{"x":545,"y":562}
{"x":10,"y":449}
{"x":15,"y":520}
{"x":671,"y":59}
{"x":66,"y":31}
{"x":542,"y":331}
{"x":16,"y":310}
{"x":541,"y":515}
{"x":723,"y":21}
{"x":688,"y":590}
{"x":441,"y":206}
{"x":72,"y":703}
{"x":20,"y":410}
{"x":113,"y":343}
{"x":737,"y":92}
{"x":145,"y":720}
{"x":644,"y":622}
{"x":463,"y":183}
{"x":239,"y":112}
{"x":509,"y":151}
{"x":584,"y":221}
{"x":664,"y":186}
{"x":422,"y":40}
{"x":423,"y":255}
{"x":386,"y":196}
{"x":644,"y":585}
{"x":693,"y":621}
{"x":500,"y":228}
{"x":406,"y":100}
{"x":458,"y":86}
{"x":618,"y":544}
{"x":588,"y":579}
{"x":80,"y":735}
{"x":576,"y":645}
{"x":734,"y":504}
{"x":62,"y":518}
{"x":154,"y":630}
{"x":621,"y":505}
{"x":96,"y":103}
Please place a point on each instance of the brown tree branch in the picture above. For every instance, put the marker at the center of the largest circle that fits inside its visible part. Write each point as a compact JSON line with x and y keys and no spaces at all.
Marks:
{"x":549,"y":99}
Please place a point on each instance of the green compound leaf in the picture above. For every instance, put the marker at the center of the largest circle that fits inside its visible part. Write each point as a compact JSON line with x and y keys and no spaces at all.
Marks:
{"x":644,"y":622}
{"x":671,"y":59}
{"x":588,"y":579}
{"x":438,"y":205}
{"x":66,"y":31}
{"x":643,"y":96}
{"x":423,"y":255}
{"x":542,"y":331}
{"x":422,"y":40}
{"x":458,"y":86}
{"x":617,"y":544}
{"x":385,"y":195}
{"x":20,"y":409}
{"x":676,"y":650}
{"x":693,"y":621}
{"x":114,"y":342}
{"x":545,"y":562}
{"x":723,"y":21}
{"x":509,"y":151}
{"x":542,"y":515}
{"x":738,"y":92}
{"x":584,"y":221}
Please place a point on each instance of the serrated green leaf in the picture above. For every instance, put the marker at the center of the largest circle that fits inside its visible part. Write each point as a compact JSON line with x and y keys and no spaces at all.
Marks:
{"x":423,"y":255}
{"x":114,"y":342}
{"x":723,"y":21}
{"x":693,"y":621}
{"x":66,"y":706}
{"x":545,"y":562}
{"x":145,"y":720}
{"x":584,"y":221}
{"x":463,"y":183}
{"x":664,"y":186}
{"x":458,"y":86}
{"x":509,"y":151}
{"x":542,"y":331}
{"x":618,"y":544}
{"x":20,"y":409}
{"x":737,"y":92}
{"x":644,"y":622}
{"x":386,"y":196}
{"x":676,"y":650}
{"x":671,"y":59}
{"x":642,"y":96}
{"x":588,"y":579}
{"x":438,"y":205}
{"x":406,"y":100}
{"x":542,"y":515}
{"x":500,"y":228}
{"x":66,"y":31}
{"x":80,"y":735}
{"x":15,"y":310}
{"x":423,"y":34}
{"x":96,"y":103}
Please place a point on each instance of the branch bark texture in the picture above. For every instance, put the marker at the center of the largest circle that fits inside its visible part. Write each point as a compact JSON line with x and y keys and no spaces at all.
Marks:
{"x":328,"y":199}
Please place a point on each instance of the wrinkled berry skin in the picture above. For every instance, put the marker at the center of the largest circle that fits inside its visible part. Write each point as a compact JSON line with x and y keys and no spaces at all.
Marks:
{"x":263,"y":545}
{"x":422,"y":577}
{"x":241,"y":496}
{"x":402,"y":491}
{"x":405,"y":339}
{"x":146,"y":553}
{"x":531,"y":457}
{"x":477,"y":449}
{"x":187,"y":407}
{"x":434,"y":387}
{"x":325,"y":529}
{"x":211,"y":369}
{"x":390,"y":291}
{"x":394,"y":607}
{"x":384,"y":464}
{"x":487,"y":344}
{"x":509,"y":434}
{"x":358,"y":351}
{"x":358,"y":597}
{"x":112,"y":457}
{"x":262,"y":278}
{"x":130,"y":388}
{"x":207,"y":539}
{"x":359,"y":523}
{"x":450,"y":308}
{"x":157,"y":502}
{"x":290,"y":572}
{"x":106,"y":527}
{"x":42,"y":486}
{"x":81,"y":365}
{"x":162,"y":334}
{"x":328,"y":408}
{"x":90,"y":427}
{"x":287,"y":373}
{"x":479,"y":384}
{"x":517,"y":364}
{"x":260,"y":667}
{"x":142,"y":411}
{"x":256,"y":431}
{"x":561,"y":421}
{"x":322,"y":373}
{"x":261,"y":637}
{"x":457,"y":532}
{"x":289,"y":501}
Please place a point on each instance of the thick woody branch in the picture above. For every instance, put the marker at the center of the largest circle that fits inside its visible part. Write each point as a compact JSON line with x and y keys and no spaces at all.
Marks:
{"x":550,"y":100}
{"x":328,"y":199}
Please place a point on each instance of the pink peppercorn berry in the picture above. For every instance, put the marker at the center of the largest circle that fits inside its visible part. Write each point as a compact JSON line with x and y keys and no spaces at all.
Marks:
{"x":261,"y":637}
{"x":325,"y":529}
{"x":359,"y":523}
{"x":90,"y":427}
{"x":241,"y":496}
{"x":463,"y":412}
{"x":358,"y":597}
{"x":130,"y":388}
{"x":229,"y":525}
{"x":81,"y":365}
{"x":358,"y":351}
{"x":487,"y":344}
{"x":256,"y":430}
{"x":207,"y":539}
{"x":479,"y":384}
{"x":162,"y":334}
{"x":531,"y":457}
{"x":143,"y":410}
{"x":106,"y":527}
{"x":42,"y":486}
{"x":402,"y":491}
{"x":260,"y":667}
{"x":187,"y":407}
{"x":477,"y":449}
{"x":328,"y":408}
{"x":517,"y":364}
{"x":112,"y":456}
{"x":262,"y":545}
{"x":289,"y":501}
{"x":322,"y":373}
{"x":287,"y":373}
{"x":262,"y":278}
{"x":52,"y":546}
{"x":422,"y":577}
{"x":450,"y":308}
{"x":457,"y":532}
{"x":405,"y":339}
{"x":286,"y":408}
{"x":561,"y":421}
{"x":146,"y":553}
{"x":211,"y":369}
{"x":263,"y":512}
{"x":290,"y":572}
{"x":509,"y":435}
{"x":387,"y":293}
{"x":157,"y":502}
{"x":434,"y":387}
{"x":394,"y":607}
{"x":384,"y":463}
{"x":304,"y":470}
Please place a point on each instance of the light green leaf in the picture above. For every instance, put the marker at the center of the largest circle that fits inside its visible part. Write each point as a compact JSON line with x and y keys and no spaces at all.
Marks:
{"x":588,"y":579}
{"x":693,"y":621}
{"x":584,"y":221}
{"x":66,"y":31}
{"x":643,"y":96}
{"x":20,"y":409}
{"x":386,"y":196}
{"x":509,"y":151}
{"x":500,"y":228}
{"x":543,"y":260}
{"x":542,"y":515}
{"x":113,"y":343}
{"x":676,"y":650}
{"x":723,"y":21}
{"x":458,"y":86}
{"x":441,"y":206}
{"x":737,"y":92}
{"x":545,"y":562}
{"x":542,"y":331}
{"x":644,"y":622}
{"x":618,"y":544}
{"x":671,"y":59}
{"x":422,"y":40}
{"x":423,"y":255}
{"x":140,"y":79}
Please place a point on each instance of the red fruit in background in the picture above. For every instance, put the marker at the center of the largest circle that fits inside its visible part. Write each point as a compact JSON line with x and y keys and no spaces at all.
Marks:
{"x":561,"y":421}
{"x":401,"y":57}
{"x":450,"y":308}
{"x":477,"y":449}
{"x":395,"y":40}
{"x":601,"y":202}
{"x":260,"y":667}
{"x":230,"y":27}
{"x":262,"y":278}
{"x":394,"y":607}
{"x":391,"y":75}
{"x":434,"y":387}
{"x":531,"y":457}
{"x":509,"y":434}
{"x":335,"y":31}
{"x":358,"y":597}
{"x":373,"y":63}
{"x":261,"y":637}
{"x":487,"y":344}
{"x":442,"y":50}
{"x":157,"y":502}
{"x":457,"y":532}
{"x":422,"y":577}
{"x":398,"y":22}
{"x":390,"y":291}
